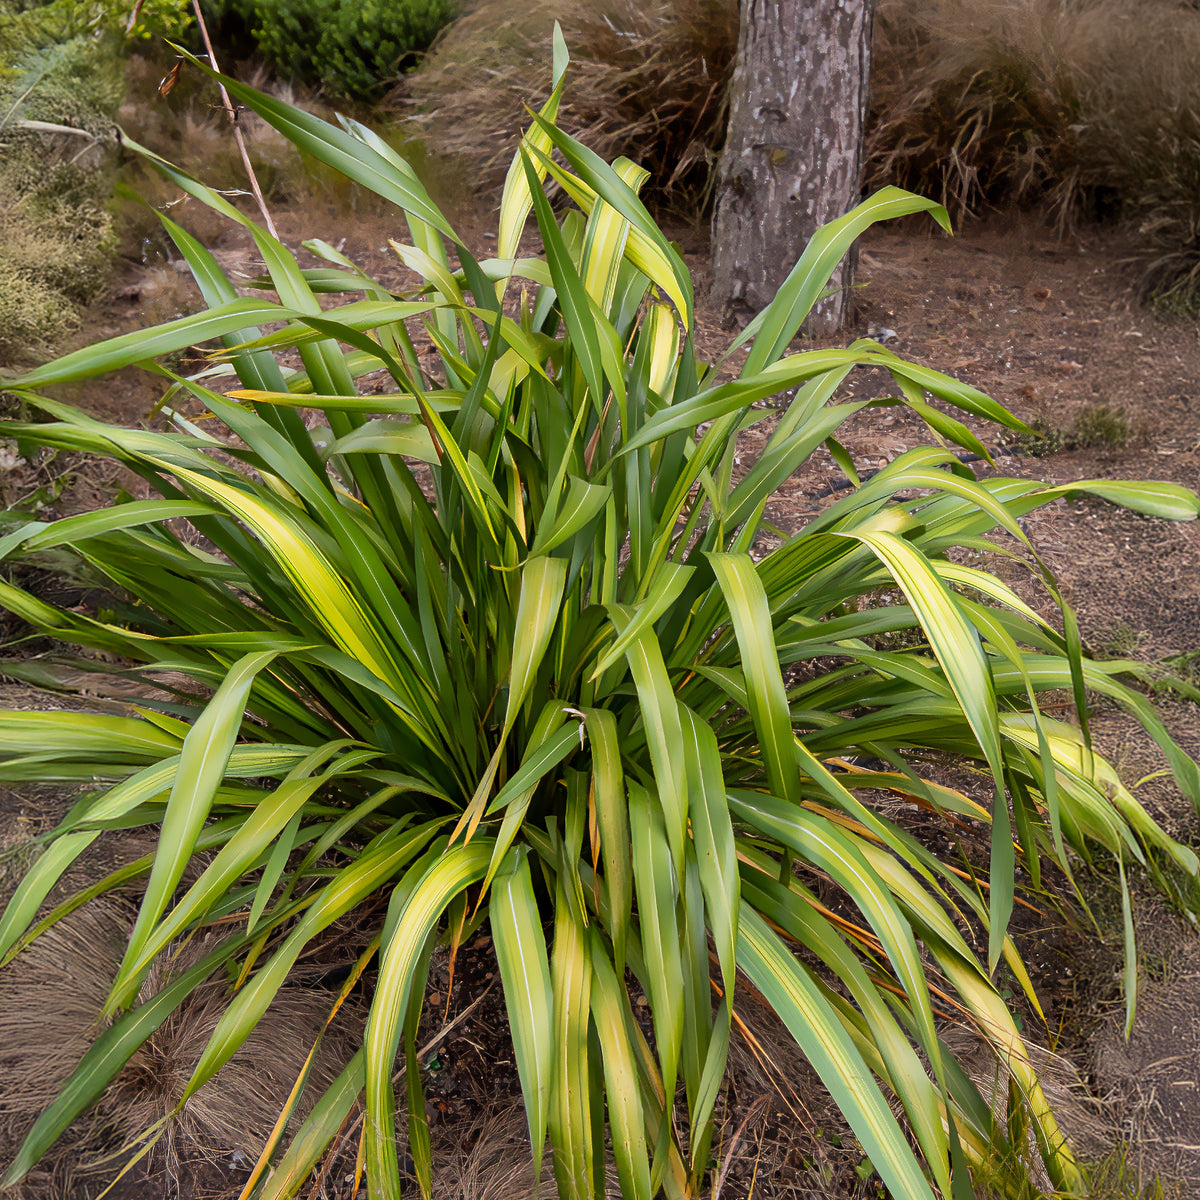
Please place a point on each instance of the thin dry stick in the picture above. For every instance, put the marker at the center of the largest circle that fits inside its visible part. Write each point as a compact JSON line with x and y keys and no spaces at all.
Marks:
{"x":231,"y":113}
{"x":755,"y":1109}
{"x":346,"y":1132}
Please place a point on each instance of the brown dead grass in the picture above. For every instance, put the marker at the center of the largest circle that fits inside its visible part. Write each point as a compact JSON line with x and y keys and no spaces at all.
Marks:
{"x":1090,"y":108}
{"x":51,"y":998}
{"x":974,"y":101}
{"x":646,"y":80}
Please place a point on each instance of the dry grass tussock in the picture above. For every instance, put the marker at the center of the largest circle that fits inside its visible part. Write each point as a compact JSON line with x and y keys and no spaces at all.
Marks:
{"x":1089,"y":107}
{"x":50,"y":1001}
{"x":647,"y":80}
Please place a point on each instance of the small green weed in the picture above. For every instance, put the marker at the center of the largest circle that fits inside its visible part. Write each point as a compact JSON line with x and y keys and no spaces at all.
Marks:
{"x":1096,"y":426}
{"x":1185,"y":666}
{"x":1099,"y":426}
{"x":1117,"y":1177}
{"x":1118,"y":642}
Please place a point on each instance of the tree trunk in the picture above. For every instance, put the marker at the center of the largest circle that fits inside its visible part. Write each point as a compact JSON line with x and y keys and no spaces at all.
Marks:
{"x":792,"y":158}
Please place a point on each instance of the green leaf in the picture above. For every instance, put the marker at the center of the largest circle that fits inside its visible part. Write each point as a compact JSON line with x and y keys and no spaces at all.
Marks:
{"x":448,"y":876}
{"x":353,"y":884}
{"x":37,"y":884}
{"x":88,"y":736}
{"x":647,"y":247}
{"x":833,"y":851}
{"x":202,"y":764}
{"x":322,"y":1125}
{"x":1131,"y":960}
{"x":570,"y":1112}
{"x":736,"y":397}
{"x":241,"y":853}
{"x":956,"y":645}
{"x":712,"y":831}
{"x":778,"y":323}
{"x":659,"y":713}
{"x":657,"y":893}
{"x":72,"y":530}
{"x":611,"y":1013}
{"x":542,"y":583}
{"x":146,"y":344}
{"x":747,"y":602}
{"x":669,"y":582}
{"x":339,"y":149}
{"x":517,"y":199}
{"x":882,"y":1041}
{"x":582,"y":504}
{"x":794,"y":995}
{"x":386,"y":437}
{"x":578,"y":314}
{"x":612,"y":820}
{"x":525,"y":971}
{"x":310,"y":572}
{"x":1167,"y":500}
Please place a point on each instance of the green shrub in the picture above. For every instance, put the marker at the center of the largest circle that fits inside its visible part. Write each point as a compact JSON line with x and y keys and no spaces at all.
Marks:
{"x":354,"y":49}
{"x":56,"y":236}
{"x":155,"y":18}
{"x":230,"y":23}
{"x":491,"y":645}
{"x":56,"y":229}
{"x":34,"y":317}
{"x":44,"y":22}
{"x":61,"y":64}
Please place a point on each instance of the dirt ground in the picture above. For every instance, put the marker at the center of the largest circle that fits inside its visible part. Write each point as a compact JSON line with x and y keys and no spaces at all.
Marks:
{"x":1050,"y":328}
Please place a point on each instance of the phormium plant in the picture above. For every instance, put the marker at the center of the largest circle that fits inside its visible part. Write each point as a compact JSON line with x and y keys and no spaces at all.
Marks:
{"x":491,"y":644}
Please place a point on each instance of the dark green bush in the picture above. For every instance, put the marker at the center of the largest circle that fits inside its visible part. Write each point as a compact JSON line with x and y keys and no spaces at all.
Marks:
{"x":79,"y":82}
{"x":61,"y":234}
{"x":231,"y":24}
{"x":56,"y":236}
{"x":353,"y":49}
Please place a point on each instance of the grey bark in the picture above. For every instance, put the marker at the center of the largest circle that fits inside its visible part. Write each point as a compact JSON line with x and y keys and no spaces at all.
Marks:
{"x":792,"y":157}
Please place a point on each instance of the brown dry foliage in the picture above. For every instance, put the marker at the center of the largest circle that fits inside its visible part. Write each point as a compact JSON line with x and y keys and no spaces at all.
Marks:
{"x":646,"y":80}
{"x":51,"y":999}
{"x":1090,"y":108}
{"x":974,"y":101}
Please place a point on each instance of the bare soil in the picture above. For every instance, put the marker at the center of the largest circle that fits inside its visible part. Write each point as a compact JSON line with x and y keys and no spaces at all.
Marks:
{"x":1050,"y":328}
